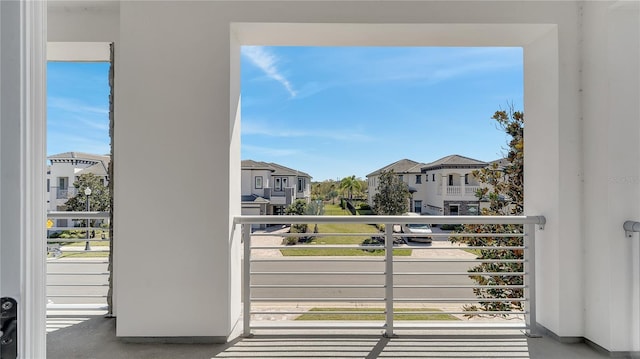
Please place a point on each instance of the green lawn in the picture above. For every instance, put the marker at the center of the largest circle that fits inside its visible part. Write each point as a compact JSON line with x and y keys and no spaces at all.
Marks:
{"x":313,"y":314}
{"x":335,"y":210}
{"x":87,"y":254}
{"x":340,"y":240}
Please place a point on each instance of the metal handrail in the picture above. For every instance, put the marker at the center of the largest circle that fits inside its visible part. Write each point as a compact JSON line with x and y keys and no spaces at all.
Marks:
{"x":630,"y":227}
{"x":76,"y":287}
{"x":539,"y":220}
{"x":385,"y":292}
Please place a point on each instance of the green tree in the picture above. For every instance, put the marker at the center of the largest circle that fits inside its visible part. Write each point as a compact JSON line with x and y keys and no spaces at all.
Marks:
{"x":349,"y":185}
{"x":99,"y":200}
{"x":299,"y":208}
{"x":393,"y":195}
{"x":504,"y":192}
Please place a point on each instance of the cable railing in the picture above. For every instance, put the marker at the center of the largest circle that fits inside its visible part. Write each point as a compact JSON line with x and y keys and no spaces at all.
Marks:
{"x":78,"y":267}
{"x":387,"y":282}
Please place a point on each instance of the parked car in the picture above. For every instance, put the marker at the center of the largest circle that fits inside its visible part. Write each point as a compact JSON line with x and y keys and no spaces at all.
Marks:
{"x":420,"y":232}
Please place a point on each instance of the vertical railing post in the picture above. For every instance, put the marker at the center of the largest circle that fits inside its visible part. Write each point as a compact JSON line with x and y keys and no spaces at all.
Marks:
{"x":246,"y":280}
{"x":530,"y":279}
{"x":388,"y":279}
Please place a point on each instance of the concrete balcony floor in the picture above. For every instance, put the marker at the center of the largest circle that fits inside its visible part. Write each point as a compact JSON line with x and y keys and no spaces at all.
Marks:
{"x":93,"y":336}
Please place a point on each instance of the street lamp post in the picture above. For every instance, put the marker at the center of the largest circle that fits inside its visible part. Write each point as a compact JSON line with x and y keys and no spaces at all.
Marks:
{"x":87,"y":246}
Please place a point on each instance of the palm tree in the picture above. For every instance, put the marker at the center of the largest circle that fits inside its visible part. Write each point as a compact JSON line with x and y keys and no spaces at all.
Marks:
{"x":349,"y":184}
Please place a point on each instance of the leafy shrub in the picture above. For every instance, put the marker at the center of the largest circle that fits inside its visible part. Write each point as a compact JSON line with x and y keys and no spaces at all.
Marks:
{"x":364,"y":206}
{"x":451,"y":227}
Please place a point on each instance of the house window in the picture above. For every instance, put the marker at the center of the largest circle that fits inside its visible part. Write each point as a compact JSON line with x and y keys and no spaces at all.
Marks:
{"x":450,"y":180}
{"x":418,"y":179}
{"x":401,"y":177}
{"x":473,"y":210}
{"x":280,"y":183}
{"x":466,"y":179}
{"x":258,"y":183}
{"x":48,"y":185}
{"x":63,"y":190}
{"x":300,"y":184}
{"x":417,"y":206}
{"x":433,"y":177}
{"x":454,"y":209}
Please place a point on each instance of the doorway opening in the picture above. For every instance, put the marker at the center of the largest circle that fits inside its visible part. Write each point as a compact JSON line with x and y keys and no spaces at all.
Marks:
{"x":79,"y":173}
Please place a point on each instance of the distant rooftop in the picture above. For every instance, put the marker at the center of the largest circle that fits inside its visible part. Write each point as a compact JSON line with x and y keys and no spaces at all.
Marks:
{"x":401,"y":166}
{"x":454,"y":161}
{"x":277,"y":169}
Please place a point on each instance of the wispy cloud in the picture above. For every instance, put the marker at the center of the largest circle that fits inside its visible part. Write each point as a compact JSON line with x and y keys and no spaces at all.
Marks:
{"x":269,"y":151}
{"x":267,"y":62}
{"x":256,"y":128}
{"x":75,"y":106}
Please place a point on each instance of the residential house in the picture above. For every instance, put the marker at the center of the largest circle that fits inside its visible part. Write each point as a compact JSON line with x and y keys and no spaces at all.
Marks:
{"x":450,"y":187}
{"x":64,"y":170}
{"x":408,"y":171}
{"x":443,"y":187}
{"x":268,"y":188}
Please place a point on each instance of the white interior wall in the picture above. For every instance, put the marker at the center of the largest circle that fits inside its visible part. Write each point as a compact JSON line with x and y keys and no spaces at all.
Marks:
{"x":612,"y":164}
{"x":173,"y":62}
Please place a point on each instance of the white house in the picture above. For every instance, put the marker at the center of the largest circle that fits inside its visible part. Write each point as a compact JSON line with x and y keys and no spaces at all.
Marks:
{"x":442,"y":187}
{"x":449,"y":187}
{"x":268,"y":188}
{"x":177,"y":105}
{"x":64,"y":170}
{"x":408,"y":171}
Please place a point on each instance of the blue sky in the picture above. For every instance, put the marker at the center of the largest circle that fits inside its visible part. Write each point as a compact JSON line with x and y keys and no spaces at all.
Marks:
{"x":339,"y":111}
{"x":331,"y":111}
{"x":77,"y":107}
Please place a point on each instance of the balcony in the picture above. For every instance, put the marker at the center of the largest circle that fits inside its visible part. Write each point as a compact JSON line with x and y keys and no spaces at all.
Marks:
{"x":277,"y":289}
{"x":459,"y":191}
{"x":65,"y":192}
{"x":284,"y":197}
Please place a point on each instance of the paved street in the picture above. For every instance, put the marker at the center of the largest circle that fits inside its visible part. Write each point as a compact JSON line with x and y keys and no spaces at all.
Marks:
{"x":355,"y":265}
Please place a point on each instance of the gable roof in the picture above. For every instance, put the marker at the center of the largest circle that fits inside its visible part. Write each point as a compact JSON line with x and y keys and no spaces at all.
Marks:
{"x":275,"y":168}
{"x":99,"y":169}
{"x":256,"y":165}
{"x":454,"y":161}
{"x":80,"y":156}
{"x":254,"y":198}
{"x":90,"y":163}
{"x":401,"y":166}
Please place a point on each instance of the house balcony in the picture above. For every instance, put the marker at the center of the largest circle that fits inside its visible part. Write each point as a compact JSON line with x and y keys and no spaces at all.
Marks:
{"x":66,"y":192}
{"x":278,"y":290}
{"x":467,"y":191}
{"x":284,"y":197}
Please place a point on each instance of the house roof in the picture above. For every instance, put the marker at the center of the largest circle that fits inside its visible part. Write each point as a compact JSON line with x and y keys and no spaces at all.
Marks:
{"x":277,"y":169}
{"x":90,"y":163}
{"x":254,"y":198}
{"x":501,"y":163}
{"x":454,"y":161}
{"x":80,"y":156}
{"x":97,"y":169}
{"x":256,"y":165}
{"x":401,"y":166}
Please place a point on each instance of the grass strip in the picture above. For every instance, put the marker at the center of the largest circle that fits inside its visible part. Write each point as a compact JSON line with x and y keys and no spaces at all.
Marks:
{"x":341,"y":252}
{"x":325,"y":314}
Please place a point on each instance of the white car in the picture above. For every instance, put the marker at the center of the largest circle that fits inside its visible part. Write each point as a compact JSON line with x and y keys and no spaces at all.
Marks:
{"x":419,"y":232}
